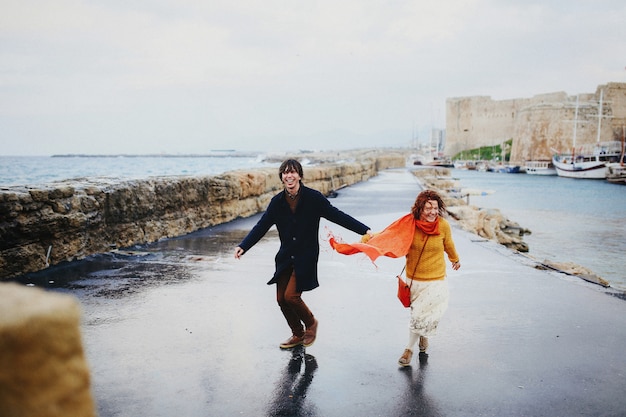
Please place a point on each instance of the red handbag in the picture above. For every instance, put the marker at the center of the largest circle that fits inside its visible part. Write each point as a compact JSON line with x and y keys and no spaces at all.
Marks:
{"x":404,"y":289}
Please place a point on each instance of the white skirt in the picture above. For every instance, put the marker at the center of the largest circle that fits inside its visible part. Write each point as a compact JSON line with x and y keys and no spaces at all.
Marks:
{"x":429,"y":300}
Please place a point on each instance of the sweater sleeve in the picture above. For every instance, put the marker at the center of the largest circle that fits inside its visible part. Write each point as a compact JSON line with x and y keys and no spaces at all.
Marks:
{"x":448,"y":243}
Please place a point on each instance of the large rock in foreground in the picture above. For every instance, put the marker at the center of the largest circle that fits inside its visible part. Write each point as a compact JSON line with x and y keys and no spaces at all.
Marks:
{"x":43,"y":371}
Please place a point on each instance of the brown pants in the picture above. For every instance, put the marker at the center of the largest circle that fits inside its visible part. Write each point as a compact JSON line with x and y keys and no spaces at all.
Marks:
{"x":290,"y":302}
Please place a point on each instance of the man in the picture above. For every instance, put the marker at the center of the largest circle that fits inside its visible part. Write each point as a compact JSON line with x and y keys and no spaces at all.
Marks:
{"x":296,"y":212}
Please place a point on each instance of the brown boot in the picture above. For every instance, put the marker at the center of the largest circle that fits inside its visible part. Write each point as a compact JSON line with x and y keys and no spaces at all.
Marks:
{"x":405,"y":359}
{"x":309,"y":334}
{"x":423,"y":344}
{"x":292,"y":342}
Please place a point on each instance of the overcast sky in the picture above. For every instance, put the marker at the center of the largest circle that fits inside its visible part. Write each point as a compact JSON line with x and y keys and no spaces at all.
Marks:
{"x":190,"y":76}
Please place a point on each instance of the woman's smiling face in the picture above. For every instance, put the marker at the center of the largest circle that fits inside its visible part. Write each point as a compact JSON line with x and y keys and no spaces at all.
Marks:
{"x":430,"y":211}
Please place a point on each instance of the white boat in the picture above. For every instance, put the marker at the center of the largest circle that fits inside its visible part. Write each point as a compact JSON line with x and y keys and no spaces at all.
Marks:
{"x":588,"y":162}
{"x":616,"y":171}
{"x":540,"y":168}
{"x":441,"y":163}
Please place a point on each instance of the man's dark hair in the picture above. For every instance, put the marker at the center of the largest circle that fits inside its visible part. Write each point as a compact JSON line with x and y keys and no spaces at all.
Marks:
{"x":288,"y":166}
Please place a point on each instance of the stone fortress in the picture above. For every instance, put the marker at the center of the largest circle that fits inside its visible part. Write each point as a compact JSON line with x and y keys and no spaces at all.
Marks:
{"x":540,"y":126}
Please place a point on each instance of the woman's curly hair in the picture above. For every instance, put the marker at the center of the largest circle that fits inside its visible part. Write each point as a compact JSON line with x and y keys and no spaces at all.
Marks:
{"x":423,"y":198}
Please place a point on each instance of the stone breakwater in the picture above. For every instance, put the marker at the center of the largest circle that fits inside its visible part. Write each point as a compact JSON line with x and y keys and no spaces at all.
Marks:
{"x":71,"y":220}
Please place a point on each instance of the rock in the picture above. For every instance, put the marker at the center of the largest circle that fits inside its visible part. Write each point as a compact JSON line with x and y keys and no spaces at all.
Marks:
{"x":43,"y":367}
{"x":571,"y":268}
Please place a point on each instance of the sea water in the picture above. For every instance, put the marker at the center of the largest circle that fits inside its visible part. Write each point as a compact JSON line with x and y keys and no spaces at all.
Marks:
{"x":23,"y":170}
{"x":571,"y":220}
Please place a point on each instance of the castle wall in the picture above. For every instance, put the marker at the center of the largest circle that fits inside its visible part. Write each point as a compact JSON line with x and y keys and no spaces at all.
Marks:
{"x":539,"y":126}
{"x":471,"y":121}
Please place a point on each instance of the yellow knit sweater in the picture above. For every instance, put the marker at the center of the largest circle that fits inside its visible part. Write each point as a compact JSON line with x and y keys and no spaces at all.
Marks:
{"x":432,"y":264}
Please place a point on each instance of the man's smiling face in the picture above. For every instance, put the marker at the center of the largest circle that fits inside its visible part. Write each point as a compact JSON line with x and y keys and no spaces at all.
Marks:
{"x":291,"y":180}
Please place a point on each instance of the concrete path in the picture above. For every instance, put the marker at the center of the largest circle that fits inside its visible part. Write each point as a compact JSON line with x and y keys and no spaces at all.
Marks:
{"x":183,"y":329}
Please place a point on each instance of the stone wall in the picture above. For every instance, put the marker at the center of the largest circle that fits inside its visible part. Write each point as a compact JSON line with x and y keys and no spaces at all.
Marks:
{"x":538,"y":125}
{"x":71,"y":220}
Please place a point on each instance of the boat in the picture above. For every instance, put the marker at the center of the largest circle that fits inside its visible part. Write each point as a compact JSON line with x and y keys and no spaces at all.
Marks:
{"x":616,"y":171}
{"x":588,"y":162}
{"x":441,"y":163}
{"x":469,"y":165}
{"x":482,"y":166}
{"x":540,"y":167}
{"x":508,"y":169}
{"x":513,"y":169}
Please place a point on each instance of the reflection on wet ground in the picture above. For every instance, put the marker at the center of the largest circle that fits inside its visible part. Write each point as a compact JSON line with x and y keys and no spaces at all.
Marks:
{"x":126,"y":272}
{"x":289,"y":396}
{"x":415,"y":401}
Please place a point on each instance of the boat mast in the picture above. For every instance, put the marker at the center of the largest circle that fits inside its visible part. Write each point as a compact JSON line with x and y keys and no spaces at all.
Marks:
{"x":575,"y":125}
{"x":621,"y":155}
{"x":599,"y":116}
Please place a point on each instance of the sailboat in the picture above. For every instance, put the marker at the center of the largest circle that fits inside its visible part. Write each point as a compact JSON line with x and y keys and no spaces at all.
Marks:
{"x":589,"y":162}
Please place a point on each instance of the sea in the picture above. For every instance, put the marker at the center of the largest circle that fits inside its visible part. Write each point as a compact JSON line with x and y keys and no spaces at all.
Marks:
{"x":36,"y":170}
{"x":571,"y":220}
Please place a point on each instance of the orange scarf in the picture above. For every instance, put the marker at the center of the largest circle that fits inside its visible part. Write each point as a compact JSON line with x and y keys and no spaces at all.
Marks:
{"x":394,"y":241}
{"x":430,"y":228}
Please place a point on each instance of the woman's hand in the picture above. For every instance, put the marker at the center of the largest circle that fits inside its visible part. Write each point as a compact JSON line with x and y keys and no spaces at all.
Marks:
{"x":456,"y":265}
{"x":238,"y":252}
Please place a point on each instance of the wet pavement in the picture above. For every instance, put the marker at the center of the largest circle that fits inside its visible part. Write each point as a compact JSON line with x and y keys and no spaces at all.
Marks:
{"x":181,"y":328}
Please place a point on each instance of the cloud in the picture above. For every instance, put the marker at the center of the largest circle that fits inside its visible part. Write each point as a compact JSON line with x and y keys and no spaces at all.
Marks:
{"x":107,"y":76}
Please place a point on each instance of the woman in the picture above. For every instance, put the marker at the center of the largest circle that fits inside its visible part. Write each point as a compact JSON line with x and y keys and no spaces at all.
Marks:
{"x":296,"y":212}
{"x":426,"y":271}
{"x":423,"y":236}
